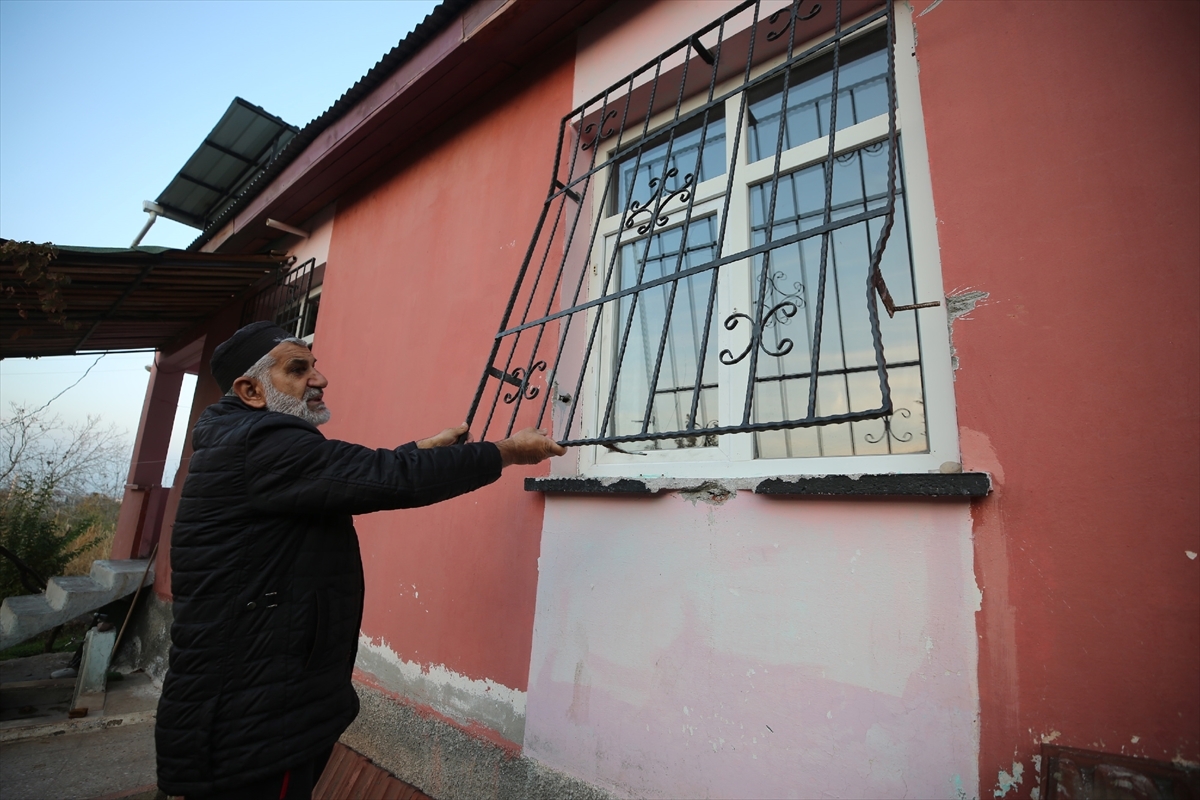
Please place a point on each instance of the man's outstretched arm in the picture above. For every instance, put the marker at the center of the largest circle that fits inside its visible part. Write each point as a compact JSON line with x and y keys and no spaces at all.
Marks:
{"x":291,"y":468}
{"x":530,"y":446}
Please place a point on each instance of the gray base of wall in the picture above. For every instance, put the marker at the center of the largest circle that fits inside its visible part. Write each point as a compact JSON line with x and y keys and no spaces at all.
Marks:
{"x":147,"y":643}
{"x":446,"y":762}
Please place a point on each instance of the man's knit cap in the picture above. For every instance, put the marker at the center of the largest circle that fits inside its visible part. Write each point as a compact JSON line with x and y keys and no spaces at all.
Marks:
{"x":241,"y":351}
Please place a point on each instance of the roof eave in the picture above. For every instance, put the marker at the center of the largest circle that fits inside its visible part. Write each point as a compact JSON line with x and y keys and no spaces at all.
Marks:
{"x":460,"y":51}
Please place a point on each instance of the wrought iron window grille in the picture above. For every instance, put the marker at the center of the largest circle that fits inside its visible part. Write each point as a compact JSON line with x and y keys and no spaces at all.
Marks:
{"x":566,"y":329}
{"x":291,"y":301}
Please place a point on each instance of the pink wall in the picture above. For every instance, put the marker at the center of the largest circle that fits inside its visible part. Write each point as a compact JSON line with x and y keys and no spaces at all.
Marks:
{"x":420,"y":267}
{"x":1064,"y":162}
{"x":759,"y":648}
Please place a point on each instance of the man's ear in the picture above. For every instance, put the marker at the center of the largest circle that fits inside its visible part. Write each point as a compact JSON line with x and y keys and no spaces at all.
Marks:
{"x":250,"y":392}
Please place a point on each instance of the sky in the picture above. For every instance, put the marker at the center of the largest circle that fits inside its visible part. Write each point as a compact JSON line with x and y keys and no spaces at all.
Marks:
{"x":101,"y":103}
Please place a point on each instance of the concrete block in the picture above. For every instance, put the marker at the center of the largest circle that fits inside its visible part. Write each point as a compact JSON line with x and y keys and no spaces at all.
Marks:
{"x":121,"y":575}
{"x":93,"y":670}
{"x":75,"y":595}
{"x":23,"y":617}
{"x":68,"y":597}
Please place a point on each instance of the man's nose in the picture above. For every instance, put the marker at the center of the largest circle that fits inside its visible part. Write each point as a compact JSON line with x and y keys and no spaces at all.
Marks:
{"x":318,"y":380}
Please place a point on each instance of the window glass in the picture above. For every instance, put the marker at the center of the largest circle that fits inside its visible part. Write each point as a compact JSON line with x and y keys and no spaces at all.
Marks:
{"x":686,"y":159}
{"x":862,"y":94}
{"x":308,"y":325}
{"x":645,"y":260}
{"x":847,"y":379}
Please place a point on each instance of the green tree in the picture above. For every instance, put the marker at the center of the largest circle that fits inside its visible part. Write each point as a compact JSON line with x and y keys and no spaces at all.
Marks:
{"x":57,"y":481}
{"x":43,"y":533}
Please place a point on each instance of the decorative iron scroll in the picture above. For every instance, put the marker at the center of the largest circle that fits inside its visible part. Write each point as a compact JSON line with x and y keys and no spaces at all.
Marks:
{"x":568,"y":320}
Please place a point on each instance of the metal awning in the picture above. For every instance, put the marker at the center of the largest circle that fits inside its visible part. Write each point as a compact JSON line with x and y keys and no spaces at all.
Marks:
{"x":241,"y":145}
{"x":122,"y":299}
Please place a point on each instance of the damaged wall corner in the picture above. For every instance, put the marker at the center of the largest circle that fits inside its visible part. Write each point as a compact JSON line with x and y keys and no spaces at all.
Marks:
{"x":957,"y":306}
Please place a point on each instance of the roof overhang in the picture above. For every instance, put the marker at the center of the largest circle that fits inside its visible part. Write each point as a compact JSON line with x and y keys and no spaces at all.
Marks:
{"x":122,"y":299}
{"x":462,"y":50}
{"x":243,"y":142}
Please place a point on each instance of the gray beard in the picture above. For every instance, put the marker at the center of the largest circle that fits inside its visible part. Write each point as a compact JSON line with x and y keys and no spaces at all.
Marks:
{"x":286,"y":404}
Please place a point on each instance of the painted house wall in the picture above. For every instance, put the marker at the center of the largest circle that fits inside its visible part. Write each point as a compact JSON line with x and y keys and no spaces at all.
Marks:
{"x":1062,"y":141}
{"x":754,"y":647}
{"x":419,"y":264}
{"x":670,"y":646}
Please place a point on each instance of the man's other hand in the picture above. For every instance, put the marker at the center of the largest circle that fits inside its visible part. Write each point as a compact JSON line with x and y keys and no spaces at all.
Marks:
{"x":529,"y":446}
{"x":446,"y":437}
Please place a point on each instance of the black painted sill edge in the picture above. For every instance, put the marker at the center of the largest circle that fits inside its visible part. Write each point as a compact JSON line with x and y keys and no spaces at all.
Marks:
{"x":964,"y":484}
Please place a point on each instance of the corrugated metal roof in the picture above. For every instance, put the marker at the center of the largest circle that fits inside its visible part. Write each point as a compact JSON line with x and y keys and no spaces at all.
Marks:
{"x":123,"y":299}
{"x":243,"y":143}
{"x":434,"y":23}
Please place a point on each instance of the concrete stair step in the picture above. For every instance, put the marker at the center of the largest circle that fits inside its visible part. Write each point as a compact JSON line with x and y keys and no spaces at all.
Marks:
{"x":75,"y":595}
{"x":68,"y":597}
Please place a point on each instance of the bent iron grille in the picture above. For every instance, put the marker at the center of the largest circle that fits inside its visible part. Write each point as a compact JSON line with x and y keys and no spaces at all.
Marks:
{"x":622,"y":348}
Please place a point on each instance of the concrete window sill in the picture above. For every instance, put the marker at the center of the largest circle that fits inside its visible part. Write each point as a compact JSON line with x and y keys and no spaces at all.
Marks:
{"x":964,"y":485}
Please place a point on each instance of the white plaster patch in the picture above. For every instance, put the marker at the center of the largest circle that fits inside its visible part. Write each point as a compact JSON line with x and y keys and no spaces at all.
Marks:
{"x":1006,"y":782}
{"x":959,"y":305}
{"x":459,"y":697}
{"x":973,"y":595}
{"x":1047,"y":738}
{"x":1190,"y":554}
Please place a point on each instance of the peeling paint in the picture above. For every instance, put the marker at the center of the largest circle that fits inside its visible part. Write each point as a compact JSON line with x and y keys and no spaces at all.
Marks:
{"x":464,"y":700}
{"x":958,"y":306}
{"x":711,"y":492}
{"x":1190,"y":554}
{"x":1005,"y":782}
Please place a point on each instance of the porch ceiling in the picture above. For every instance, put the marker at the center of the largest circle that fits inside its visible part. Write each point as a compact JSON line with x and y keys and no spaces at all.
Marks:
{"x":123,"y":299}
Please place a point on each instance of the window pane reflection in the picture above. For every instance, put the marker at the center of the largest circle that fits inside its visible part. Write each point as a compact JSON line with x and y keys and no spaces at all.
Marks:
{"x":862,"y":94}
{"x":686,"y":158}
{"x":642,"y":261}
{"x":847,"y":379}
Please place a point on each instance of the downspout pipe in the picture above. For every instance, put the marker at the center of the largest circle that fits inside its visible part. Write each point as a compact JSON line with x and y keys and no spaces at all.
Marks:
{"x":155,"y":211}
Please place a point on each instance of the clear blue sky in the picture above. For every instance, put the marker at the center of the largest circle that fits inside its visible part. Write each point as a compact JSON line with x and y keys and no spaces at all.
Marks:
{"x":101,"y":103}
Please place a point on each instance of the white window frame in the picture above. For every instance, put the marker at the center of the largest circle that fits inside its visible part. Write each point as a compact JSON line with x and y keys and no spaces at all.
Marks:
{"x":733,"y":456}
{"x":314,"y":294}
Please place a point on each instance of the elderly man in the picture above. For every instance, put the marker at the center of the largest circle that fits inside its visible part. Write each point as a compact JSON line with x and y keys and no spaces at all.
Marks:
{"x":266,"y":571}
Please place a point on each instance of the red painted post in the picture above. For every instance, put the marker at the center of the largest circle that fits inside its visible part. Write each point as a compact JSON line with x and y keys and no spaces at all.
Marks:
{"x":222,"y":326}
{"x":146,"y":465}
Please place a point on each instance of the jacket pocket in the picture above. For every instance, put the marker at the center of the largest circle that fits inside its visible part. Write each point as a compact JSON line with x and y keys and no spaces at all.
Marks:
{"x":320,"y":631}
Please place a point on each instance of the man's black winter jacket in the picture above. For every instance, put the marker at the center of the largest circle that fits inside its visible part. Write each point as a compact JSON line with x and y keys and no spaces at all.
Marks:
{"x":268,"y":588}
